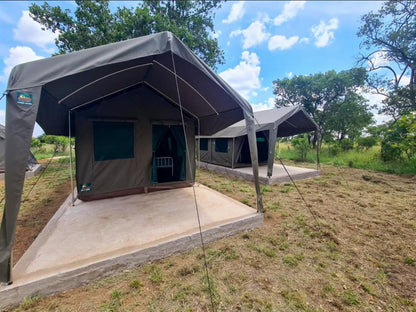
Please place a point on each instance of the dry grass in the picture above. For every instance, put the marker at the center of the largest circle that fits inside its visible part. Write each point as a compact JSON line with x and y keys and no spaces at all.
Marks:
{"x":359,"y":258}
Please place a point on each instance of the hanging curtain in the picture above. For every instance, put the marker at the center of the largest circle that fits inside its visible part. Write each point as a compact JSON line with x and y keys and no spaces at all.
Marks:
{"x":158,"y":132}
{"x":177,"y":132}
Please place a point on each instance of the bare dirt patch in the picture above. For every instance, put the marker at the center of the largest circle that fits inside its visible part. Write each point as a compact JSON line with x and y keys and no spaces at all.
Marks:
{"x":361,"y":256}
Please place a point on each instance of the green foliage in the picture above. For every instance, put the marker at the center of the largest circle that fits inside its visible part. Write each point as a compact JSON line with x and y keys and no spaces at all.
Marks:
{"x":346,"y":144}
{"x":35,"y":144}
{"x":59,"y":142}
{"x":409,"y":260}
{"x":351,"y":297}
{"x":400,"y":139}
{"x":390,"y":34}
{"x":348,"y":116}
{"x":317,"y":93}
{"x":366,"y":143}
{"x":92,"y":24}
{"x":301,"y":145}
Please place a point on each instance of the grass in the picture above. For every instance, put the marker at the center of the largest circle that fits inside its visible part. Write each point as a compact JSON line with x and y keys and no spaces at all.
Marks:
{"x":360,"y":258}
{"x":369,"y":159}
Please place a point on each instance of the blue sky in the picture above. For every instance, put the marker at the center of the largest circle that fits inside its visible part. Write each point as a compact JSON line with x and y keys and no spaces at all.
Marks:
{"x":262,"y":41}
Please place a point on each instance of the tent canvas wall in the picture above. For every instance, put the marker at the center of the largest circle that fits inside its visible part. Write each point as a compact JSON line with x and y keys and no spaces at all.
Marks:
{"x":31,"y":159}
{"x":229,"y":147}
{"x":125,"y":94}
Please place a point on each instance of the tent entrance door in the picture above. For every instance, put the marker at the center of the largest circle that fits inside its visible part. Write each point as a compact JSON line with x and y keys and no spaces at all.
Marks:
{"x":169,"y":153}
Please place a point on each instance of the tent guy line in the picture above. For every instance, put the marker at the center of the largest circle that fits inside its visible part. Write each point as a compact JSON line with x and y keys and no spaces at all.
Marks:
{"x":192,"y":174}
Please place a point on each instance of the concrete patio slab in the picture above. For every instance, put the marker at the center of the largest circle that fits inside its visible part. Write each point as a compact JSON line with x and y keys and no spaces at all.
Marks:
{"x":95,"y":239}
{"x":29,"y":173}
{"x":279,"y":174}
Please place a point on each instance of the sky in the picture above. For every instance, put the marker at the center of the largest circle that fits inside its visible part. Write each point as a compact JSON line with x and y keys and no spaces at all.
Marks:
{"x":262,"y":41}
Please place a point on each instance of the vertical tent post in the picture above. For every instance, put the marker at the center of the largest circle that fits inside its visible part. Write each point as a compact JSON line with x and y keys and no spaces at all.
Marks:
{"x":232,"y":155}
{"x":272,"y":147}
{"x":199,"y":145}
{"x":317,"y":152}
{"x":70,"y":158}
{"x":252,"y":143}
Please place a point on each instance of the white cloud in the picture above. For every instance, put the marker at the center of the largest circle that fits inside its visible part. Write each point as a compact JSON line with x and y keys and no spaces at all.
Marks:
{"x":380,"y":58}
{"x":281,"y":42}
{"x":29,"y":31}
{"x":216,"y":34}
{"x":290,"y":10}
{"x":244,"y":78}
{"x":17,"y":55}
{"x":304,"y":40}
{"x":289,"y":75}
{"x":323,"y":32}
{"x":270,"y":103}
{"x":253,"y":35}
{"x":236,"y":13}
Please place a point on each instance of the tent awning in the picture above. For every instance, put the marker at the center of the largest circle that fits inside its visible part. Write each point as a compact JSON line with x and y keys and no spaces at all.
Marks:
{"x":73,"y":80}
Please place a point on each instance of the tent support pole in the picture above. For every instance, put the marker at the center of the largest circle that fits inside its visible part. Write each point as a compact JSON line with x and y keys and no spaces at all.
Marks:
{"x":70,"y":158}
{"x":199,"y":142}
{"x":232,"y":155}
{"x":272,"y":147}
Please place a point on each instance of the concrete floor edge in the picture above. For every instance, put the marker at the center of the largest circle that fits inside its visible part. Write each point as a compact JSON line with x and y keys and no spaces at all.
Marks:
{"x":13,"y":295}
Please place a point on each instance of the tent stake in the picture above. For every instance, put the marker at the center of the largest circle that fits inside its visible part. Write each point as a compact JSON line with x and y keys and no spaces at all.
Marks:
{"x":70,"y":158}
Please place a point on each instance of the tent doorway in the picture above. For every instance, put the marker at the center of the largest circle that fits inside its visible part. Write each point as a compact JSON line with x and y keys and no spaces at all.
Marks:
{"x":169,"y":153}
{"x":262,"y":149}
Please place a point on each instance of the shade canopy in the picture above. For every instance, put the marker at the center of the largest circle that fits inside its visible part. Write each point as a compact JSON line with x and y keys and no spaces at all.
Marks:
{"x":48,"y":91}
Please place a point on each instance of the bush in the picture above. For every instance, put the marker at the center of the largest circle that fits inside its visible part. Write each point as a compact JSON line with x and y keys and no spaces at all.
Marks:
{"x":366,"y":142}
{"x":301,"y":145}
{"x":346,"y":144}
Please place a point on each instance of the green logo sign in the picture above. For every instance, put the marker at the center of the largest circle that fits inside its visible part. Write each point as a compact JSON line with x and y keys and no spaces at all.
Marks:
{"x":24,"y":98}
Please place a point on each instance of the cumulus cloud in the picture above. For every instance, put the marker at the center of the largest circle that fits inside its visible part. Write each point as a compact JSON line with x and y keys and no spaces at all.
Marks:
{"x":304,"y":40}
{"x":323,"y":32}
{"x":253,"y":34}
{"x":29,"y":31}
{"x":245,"y":77}
{"x":289,"y":75}
{"x":17,"y":55}
{"x":380,"y":58}
{"x":216,"y":34}
{"x":270,"y":103}
{"x":290,"y":10}
{"x":236,"y":13}
{"x":281,"y":42}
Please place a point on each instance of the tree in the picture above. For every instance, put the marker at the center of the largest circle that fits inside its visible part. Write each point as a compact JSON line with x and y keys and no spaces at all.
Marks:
{"x":349,"y":116}
{"x":92,"y":24}
{"x":318,"y":92}
{"x":389,"y":36}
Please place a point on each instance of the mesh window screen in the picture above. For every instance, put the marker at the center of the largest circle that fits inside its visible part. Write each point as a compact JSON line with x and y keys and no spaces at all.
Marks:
{"x":221,"y":145}
{"x":203,"y":144}
{"x":113,"y":140}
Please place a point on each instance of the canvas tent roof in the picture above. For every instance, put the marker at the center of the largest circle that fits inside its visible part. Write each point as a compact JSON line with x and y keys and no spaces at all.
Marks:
{"x":290,"y":120}
{"x":49,"y":90}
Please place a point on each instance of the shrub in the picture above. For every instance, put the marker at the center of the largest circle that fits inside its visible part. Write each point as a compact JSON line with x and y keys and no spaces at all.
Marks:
{"x":346,"y":144}
{"x":301,"y":145}
{"x":366,"y":143}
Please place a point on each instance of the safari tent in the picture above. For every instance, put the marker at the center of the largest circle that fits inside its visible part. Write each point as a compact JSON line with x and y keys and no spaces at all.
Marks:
{"x":31,"y":162}
{"x":230,"y":147}
{"x":134,"y":108}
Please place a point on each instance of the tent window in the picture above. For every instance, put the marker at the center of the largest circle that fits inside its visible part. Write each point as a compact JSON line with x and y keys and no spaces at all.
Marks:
{"x":221,"y":145}
{"x":113,"y":140}
{"x":203,"y":144}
